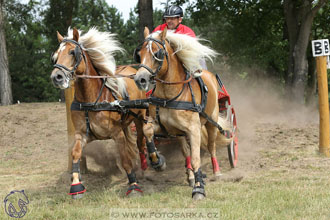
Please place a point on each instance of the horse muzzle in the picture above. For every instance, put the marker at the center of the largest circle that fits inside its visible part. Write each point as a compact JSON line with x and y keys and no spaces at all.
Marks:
{"x":59,"y":79}
{"x":143,"y":81}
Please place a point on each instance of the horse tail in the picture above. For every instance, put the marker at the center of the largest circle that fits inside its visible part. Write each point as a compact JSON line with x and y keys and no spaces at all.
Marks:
{"x":222,"y":140}
{"x":130,"y":137}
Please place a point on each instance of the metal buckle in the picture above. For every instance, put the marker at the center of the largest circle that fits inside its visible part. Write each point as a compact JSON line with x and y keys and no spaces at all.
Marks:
{"x":138,"y":102}
{"x":198,"y":108}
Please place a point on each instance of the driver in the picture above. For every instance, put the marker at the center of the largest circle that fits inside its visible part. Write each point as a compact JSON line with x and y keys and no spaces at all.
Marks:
{"x":173,"y":17}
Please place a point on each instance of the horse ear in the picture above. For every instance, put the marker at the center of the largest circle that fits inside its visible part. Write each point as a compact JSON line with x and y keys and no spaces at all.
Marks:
{"x":163,"y":34}
{"x":59,"y":37}
{"x":75,"y":34}
{"x":146,"y":32}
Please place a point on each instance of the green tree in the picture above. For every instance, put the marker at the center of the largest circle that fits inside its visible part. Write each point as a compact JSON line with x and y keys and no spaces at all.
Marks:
{"x":273,"y":35}
{"x":28,"y":55}
{"x":6,"y":97}
{"x":299,"y":16}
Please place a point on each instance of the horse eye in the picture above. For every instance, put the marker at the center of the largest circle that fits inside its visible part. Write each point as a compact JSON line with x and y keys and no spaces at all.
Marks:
{"x":71,"y":52}
{"x":159,"y":54}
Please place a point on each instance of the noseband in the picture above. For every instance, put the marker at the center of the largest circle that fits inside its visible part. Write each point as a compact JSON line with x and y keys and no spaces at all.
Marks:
{"x":78,"y":51}
{"x":159,"y":56}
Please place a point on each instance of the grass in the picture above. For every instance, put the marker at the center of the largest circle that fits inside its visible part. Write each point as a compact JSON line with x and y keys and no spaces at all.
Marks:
{"x":288,"y":179}
{"x":271,"y":195}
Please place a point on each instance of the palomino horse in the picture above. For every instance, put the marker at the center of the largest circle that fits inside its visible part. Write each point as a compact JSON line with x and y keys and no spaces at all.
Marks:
{"x":181,"y":104}
{"x":88,"y":61}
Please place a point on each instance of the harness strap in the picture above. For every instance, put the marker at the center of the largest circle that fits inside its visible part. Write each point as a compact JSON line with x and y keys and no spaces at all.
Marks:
{"x":160,"y":124}
{"x":118,"y":106}
{"x":100,"y":93}
{"x":193,"y":96}
{"x":169,"y":101}
{"x":88,"y":127}
{"x":183,"y":105}
{"x":203,"y":114}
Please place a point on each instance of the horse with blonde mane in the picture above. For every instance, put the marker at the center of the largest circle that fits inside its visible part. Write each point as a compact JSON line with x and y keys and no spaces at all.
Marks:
{"x":97,"y":110}
{"x":184,"y":100}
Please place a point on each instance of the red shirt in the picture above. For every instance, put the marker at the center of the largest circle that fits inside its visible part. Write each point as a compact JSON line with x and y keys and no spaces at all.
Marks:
{"x":182,"y":29}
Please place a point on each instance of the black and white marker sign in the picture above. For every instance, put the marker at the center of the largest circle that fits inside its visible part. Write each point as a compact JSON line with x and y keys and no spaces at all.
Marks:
{"x":320,"y":48}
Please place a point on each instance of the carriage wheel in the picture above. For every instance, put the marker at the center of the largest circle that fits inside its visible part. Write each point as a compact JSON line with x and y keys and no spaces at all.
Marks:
{"x":233,"y":146}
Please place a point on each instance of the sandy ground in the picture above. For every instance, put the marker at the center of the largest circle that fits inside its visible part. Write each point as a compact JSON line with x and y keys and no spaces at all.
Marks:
{"x":34,"y":149}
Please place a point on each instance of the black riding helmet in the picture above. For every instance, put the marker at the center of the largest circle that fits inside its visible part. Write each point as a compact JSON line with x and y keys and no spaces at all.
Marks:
{"x":173,"y":11}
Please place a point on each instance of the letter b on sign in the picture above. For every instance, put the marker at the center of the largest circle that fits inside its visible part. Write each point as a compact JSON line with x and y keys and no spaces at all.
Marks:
{"x":320,"y":47}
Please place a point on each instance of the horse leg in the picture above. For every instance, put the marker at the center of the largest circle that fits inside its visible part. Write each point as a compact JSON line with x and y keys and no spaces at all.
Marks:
{"x":126,"y":153}
{"x":212,"y":135}
{"x":198,"y":191}
{"x":157,"y":160}
{"x":185,"y":148}
{"x":77,"y":189}
{"x":83,"y":162}
{"x":141,"y":143}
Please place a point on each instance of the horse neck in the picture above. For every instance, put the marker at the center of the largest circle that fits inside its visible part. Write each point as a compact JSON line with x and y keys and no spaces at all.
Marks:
{"x":174,"y":73}
{"x":87,"y":90}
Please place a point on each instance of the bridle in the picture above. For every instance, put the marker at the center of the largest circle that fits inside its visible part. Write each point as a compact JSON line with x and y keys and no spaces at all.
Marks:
{"x":78,"y":53}
{"x":159,"y":55}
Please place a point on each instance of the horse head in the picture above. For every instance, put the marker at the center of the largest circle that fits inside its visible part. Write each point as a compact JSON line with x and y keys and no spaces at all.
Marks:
{"x":152,"y":53}
{"x":69,"y":60}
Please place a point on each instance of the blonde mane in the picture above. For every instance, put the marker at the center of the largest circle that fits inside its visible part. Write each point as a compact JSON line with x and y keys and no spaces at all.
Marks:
{"x":101,"y":48}
{"x":189,"y":50}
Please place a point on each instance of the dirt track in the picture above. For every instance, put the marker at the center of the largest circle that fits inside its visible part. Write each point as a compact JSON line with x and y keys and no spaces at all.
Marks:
{"x":33,"y":144}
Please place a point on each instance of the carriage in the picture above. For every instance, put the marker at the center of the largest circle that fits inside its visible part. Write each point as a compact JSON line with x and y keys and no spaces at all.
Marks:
{"x":102,"y":113}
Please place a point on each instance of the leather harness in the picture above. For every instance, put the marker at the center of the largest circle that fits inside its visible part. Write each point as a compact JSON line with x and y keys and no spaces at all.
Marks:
{"x":123,"y":106}
{"x":184,"y":105}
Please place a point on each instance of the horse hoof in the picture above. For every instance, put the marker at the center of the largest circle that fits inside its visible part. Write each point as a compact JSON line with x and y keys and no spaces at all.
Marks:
{"x":198,"y":196}
{"x":77,"y":190}
{"x":198,"y":192}
{"x":161,"y":165}
{"x":134,"y":194}
{"x":78,"y":196}
{"x":134,"y":191}
{"x":218,"y":174}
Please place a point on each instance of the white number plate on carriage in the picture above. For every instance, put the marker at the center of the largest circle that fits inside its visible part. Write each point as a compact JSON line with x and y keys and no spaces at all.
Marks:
{"x":320,"y":48}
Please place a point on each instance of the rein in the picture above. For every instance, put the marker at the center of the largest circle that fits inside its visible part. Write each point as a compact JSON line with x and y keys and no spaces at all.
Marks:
{"x":174,"y":83}
{"x":132,"y":77}
{"x":104,"y":77}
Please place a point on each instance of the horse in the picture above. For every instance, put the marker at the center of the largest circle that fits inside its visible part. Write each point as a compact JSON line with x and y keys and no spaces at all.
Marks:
{"x":184,"y":100}
{"x":87,"y":61}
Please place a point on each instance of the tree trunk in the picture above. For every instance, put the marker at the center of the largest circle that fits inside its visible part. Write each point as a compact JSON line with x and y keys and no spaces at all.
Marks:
{"x":5,"y":81}
{"x":311,"y":81}
{"x":145,"y":16}
{"x":299,"y":20}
